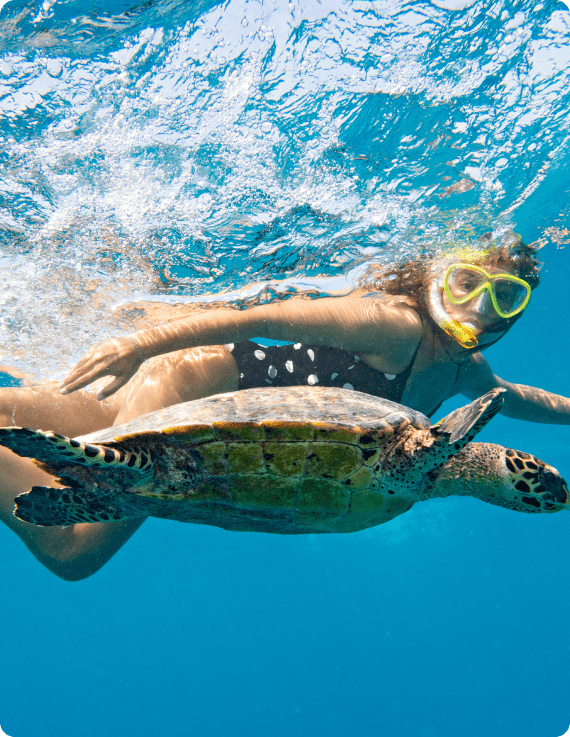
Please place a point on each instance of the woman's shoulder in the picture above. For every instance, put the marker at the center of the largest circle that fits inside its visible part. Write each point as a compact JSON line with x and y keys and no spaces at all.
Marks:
{"x":400,"y":300}
{"x":395,"y":330}
{"x":396,"y":308}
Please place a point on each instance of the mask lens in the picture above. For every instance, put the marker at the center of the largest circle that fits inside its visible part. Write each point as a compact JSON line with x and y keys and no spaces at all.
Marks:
{"x":463,"y":283}
{"x":509,"y":295}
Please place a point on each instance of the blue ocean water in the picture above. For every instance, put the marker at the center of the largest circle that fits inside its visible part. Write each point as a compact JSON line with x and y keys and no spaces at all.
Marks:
{"x":171,"y":149}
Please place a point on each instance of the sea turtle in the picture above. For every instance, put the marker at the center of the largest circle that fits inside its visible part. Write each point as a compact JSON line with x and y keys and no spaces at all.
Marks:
{"x":291,"y":460}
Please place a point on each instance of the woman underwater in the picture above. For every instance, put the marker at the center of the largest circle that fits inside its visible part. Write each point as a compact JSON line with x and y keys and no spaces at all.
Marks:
{"x":416,"y":339}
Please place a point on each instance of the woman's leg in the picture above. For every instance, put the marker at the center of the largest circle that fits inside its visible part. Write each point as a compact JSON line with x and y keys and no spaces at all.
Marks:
{"x":177,"y":377}
{"x":78,"y":551}
{"x":43,"y":407}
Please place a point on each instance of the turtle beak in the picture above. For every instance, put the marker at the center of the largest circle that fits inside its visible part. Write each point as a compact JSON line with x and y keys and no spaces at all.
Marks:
{"x":556,"y":488}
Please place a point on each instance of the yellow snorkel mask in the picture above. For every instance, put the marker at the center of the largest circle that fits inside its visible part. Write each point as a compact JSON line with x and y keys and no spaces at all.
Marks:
{"x":464,"y":283}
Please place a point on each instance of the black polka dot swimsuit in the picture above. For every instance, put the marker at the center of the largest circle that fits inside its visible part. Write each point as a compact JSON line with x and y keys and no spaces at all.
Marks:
{"x":296,"y":365}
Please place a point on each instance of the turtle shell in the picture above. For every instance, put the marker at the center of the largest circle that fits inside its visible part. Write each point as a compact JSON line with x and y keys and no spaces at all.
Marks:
{"x":301,"y":404}
{"x":291,"y":460}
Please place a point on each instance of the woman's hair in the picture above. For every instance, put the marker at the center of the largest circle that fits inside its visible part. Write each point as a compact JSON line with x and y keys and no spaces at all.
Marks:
{"x":412,"y":277}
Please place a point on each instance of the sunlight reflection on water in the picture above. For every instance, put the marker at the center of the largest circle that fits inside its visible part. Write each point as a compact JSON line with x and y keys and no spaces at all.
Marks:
{"x":160,"y":152}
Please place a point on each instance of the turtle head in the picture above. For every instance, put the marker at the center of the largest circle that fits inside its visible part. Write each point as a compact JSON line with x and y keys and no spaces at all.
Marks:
{"x":536,"y":486}
{"x":502,"y":476}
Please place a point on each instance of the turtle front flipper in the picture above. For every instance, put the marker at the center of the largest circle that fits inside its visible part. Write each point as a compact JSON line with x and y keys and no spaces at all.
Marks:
{"x":464,"y":423}
{"x":416,"y":454}
{"x":52,"y":507}
{"x":54,"y":452}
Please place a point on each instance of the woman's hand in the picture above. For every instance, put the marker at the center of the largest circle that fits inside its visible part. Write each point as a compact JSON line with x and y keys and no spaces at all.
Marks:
{"x":119,"y":357}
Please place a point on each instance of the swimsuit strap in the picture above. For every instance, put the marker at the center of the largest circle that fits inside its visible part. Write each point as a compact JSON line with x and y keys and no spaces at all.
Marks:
{"x":433,"y":336}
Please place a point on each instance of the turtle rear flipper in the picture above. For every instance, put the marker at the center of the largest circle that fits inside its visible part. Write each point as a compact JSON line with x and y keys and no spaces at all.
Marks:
{"x":52,"y":507}
{"x":464,"y":423}
{"x":54,"y":451}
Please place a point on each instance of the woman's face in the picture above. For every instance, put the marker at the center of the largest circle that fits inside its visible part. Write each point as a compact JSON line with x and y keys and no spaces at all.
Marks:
{"x":479,"y":313}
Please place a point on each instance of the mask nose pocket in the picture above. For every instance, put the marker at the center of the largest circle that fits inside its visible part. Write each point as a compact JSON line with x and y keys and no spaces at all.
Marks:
{"x":483,"y":303}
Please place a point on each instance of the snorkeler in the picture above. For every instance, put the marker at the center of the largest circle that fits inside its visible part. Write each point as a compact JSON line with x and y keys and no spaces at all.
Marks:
{"x":414,"y":336}
{"x":415,"y":339}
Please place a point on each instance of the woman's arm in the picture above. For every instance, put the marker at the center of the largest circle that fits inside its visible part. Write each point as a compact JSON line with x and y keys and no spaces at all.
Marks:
{"x":521,"y":402}
{"x":348,"y":323}
{"x":389,"y":329}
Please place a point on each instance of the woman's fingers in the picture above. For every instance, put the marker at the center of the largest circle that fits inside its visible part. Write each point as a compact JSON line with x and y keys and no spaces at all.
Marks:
{"x":84,"y":373}
{"x":115,"y":357}
{"x":79,"y":380}
{"x":122,"y":375}
{"x":112,"y":387}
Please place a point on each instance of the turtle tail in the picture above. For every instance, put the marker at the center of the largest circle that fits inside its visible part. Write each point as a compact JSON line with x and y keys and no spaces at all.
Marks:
{"x":54,"y":451}
{"x":52,"y":507}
